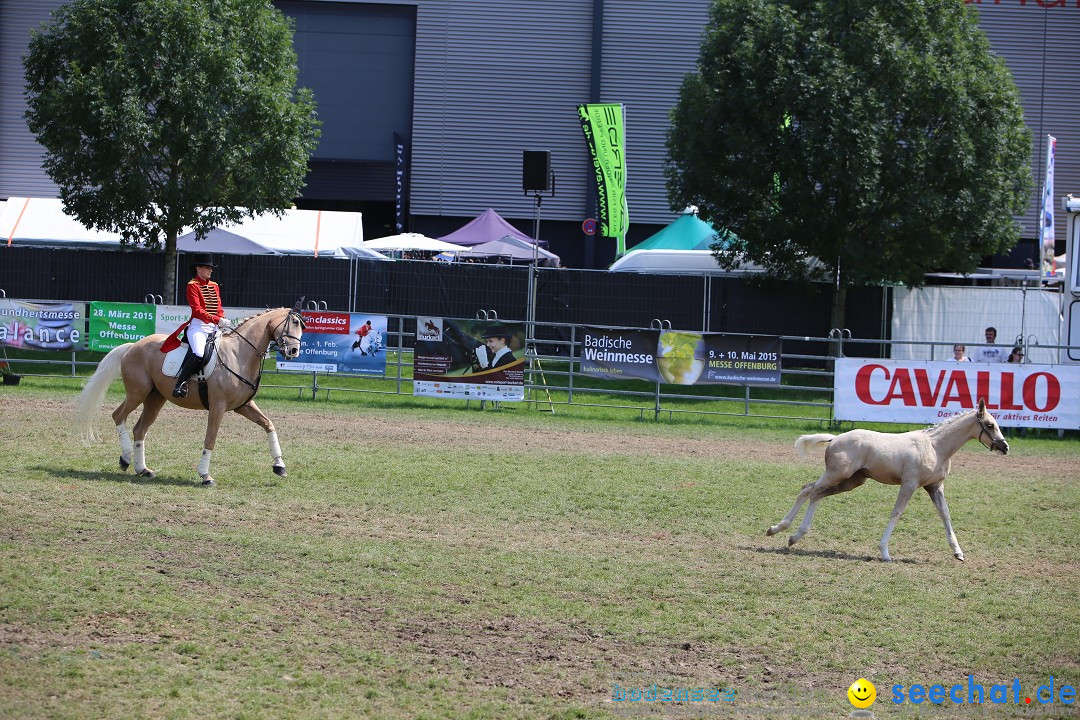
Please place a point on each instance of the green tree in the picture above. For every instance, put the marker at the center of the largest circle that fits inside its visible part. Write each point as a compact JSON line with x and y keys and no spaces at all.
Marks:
{"x":158,"y":115}
{"x":860,"y":142}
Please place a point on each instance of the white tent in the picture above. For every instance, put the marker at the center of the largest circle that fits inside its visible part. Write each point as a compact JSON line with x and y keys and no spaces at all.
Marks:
{"x":406,"y":242}
{"x":43,"y":222}
{"x":295,"y":232}
{"x":513,"y":248}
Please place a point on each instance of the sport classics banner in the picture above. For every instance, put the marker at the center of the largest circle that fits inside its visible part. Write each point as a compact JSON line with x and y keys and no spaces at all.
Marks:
{"x":341,"y":342}
{"x":469,"y":359}
{"x":928,"y":392}
{"x":680,"y":358}
{"x":42,"y":325}
{"x":604,"y":133}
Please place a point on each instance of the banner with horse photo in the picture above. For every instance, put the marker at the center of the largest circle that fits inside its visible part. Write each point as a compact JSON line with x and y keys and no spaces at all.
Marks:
{"x":42,"y":325}
{"x":469,"y":359}
{"x":341,"y":342}
{"x":927,"y":392}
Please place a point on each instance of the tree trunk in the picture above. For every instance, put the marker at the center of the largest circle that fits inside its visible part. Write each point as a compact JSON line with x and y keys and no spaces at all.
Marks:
{"x":168,"y":293}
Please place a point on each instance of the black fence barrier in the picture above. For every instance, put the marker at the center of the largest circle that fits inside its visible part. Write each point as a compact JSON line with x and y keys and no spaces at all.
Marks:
{"x":409,"y":288}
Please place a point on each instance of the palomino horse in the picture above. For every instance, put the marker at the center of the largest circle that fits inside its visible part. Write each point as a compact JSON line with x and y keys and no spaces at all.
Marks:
{"x":232,"y":386}
{"x":912,"y":460}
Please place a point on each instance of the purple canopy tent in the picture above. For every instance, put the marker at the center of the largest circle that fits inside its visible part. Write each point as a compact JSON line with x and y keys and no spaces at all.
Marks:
{"x":488,"y":226}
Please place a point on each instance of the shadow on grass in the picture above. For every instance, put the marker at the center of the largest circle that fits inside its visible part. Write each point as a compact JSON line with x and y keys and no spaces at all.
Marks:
{"x":116,"y":477}
{"x":828,"y":554}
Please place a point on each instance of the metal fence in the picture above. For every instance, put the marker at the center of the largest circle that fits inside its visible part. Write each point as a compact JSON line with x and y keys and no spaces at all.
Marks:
{"x":553,"y":377}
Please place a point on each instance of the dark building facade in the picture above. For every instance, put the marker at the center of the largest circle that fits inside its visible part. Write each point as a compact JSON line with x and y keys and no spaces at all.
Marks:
{"x":468,"y":85}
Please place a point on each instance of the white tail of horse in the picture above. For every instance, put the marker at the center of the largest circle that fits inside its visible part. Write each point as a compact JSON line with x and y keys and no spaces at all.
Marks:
{"x":89,"y":402}
{"x":811,"y":443}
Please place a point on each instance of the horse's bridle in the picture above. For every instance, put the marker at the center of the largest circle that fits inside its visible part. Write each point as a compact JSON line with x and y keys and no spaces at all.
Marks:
{"x":984,"y":429}
{"x":275,"y":343}
{"x":277,"y":336}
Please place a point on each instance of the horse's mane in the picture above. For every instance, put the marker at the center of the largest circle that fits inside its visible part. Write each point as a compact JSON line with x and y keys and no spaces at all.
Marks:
{"x":946,"y":425}
{"x":249,"y":318}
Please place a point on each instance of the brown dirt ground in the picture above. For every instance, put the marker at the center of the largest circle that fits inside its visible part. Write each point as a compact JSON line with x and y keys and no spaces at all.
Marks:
{"x":507,"y":652}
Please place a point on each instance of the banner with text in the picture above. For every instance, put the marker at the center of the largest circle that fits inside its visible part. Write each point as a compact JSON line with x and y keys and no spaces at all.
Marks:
{"x":604,"y":134}
{"x":927,"y":392}
{"x":54,"y":325}
{"x":680,"y":358}
{"x":341,"y":342}
{"x":113,"y":324}
{"x":469,"y":359}
{"x":170,"y":317}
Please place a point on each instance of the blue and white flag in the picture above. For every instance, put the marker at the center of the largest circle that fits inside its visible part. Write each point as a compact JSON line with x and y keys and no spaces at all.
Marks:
{"x":1046,"y":217}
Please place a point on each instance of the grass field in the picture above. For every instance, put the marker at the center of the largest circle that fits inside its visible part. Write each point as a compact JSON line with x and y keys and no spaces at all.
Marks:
{"x":444,"y":562}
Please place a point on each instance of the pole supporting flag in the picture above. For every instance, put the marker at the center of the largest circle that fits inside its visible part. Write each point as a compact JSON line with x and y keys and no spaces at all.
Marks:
{"x":1046,"y":216}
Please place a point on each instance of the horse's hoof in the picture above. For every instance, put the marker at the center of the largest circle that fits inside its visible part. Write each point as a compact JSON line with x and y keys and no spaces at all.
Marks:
{"x":770,"y":532}
{"x":207,"y":481}
{"x":959,"y":556}
{"x":279,"y":470}
{"x":124,"y":464}
{"x":791,"y":541}
{"x":146,"y":473}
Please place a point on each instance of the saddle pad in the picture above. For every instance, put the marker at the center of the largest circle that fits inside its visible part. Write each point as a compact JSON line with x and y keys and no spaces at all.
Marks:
{"x":175,"y":358}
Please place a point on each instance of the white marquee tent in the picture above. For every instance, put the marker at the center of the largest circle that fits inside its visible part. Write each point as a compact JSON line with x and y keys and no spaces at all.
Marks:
{"x":42,"y":222}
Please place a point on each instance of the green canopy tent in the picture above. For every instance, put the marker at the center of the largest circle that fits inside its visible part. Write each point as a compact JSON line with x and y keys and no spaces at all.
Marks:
{"x":689,"y":232}
{"x":683,"y":247}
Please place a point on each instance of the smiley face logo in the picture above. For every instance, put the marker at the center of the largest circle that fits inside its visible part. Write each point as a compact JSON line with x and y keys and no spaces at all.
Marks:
{"x":862,"y":693}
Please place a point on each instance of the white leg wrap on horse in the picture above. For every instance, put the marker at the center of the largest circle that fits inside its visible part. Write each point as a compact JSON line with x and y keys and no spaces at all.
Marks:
{"x":275,"y":448}
{"x":204,"y":463}
{"x":139,"y":461}
{"x":125,"y":441}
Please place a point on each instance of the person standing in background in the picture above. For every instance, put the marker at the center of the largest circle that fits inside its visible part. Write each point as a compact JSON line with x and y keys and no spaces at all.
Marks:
{"x":989,"y":352}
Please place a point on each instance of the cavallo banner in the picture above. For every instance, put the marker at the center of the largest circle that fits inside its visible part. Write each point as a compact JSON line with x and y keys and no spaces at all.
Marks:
{"x":603,"y":125}
{"x":928,"y":392}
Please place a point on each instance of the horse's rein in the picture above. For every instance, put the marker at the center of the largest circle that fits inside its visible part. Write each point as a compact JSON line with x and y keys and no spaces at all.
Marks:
{"x":274,"y":342}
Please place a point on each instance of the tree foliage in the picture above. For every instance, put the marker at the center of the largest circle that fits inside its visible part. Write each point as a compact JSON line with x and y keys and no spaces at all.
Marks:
{"x":869,"y":142}
{"x":158,"y":115}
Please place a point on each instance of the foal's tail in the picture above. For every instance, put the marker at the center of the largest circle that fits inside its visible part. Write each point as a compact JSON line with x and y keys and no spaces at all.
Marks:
{"x":90,"y":398}
{"x":807,"y":443}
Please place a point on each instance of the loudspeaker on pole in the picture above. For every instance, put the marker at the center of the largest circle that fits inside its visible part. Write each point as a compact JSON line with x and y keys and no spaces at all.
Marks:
{"x":536,"y":170}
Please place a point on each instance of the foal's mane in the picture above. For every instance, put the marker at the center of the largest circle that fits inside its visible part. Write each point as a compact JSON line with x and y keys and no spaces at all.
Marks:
{"x":946,"y":425}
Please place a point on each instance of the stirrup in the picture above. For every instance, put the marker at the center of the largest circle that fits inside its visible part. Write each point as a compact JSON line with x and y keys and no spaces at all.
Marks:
{"x":180,"y":391}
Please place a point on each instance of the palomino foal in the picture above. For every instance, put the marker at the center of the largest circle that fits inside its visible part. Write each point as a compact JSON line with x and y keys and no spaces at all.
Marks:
{"x":912,"y":460}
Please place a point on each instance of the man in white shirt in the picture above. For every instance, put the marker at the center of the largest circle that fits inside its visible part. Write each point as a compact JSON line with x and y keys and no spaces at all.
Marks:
{"x":990,"y":352}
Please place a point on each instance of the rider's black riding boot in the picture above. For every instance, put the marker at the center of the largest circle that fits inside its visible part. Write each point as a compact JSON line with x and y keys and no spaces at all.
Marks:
{"x":189,"y":366}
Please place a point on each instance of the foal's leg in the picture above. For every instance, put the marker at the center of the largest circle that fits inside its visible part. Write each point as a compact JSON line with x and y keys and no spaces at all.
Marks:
{"x":252,"y":412}
{"x":817,"y":494}
{"x":151,"y":407}
{"x":799,"y":502}
{"x":907,"y":489}
{"x":937,"y":496}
